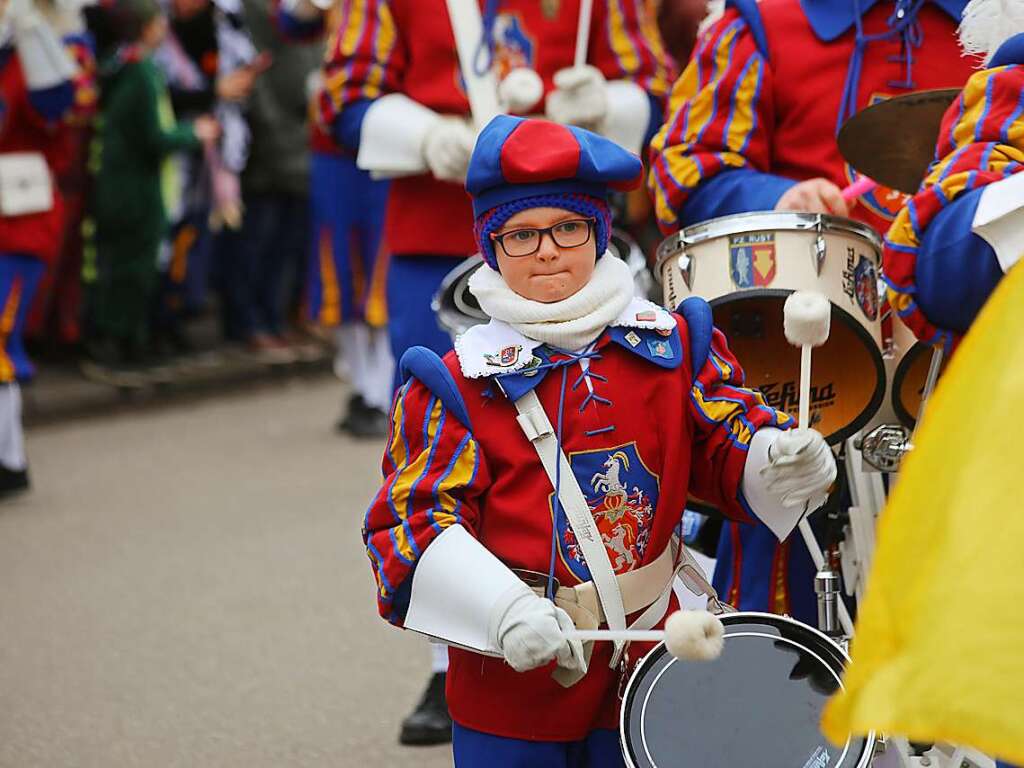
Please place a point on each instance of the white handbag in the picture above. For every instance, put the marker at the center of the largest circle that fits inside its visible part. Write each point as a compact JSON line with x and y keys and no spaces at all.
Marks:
{"x":25,"y":184}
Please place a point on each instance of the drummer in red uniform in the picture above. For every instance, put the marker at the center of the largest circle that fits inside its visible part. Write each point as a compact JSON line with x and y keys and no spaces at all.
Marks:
{"x":751,"y":127}
{"x":470,"y":537}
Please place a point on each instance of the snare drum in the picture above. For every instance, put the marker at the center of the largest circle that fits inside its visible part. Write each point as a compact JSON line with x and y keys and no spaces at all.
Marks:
{"x":758,"y":704}
{"x":746,"y":265}
{"x":457,"y":309}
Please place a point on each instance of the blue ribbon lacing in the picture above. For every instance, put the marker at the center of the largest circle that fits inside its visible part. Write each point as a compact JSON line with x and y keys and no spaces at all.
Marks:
{"x":484,"y":55}
{"x":902,"y":23}
{"x":571,"y":358}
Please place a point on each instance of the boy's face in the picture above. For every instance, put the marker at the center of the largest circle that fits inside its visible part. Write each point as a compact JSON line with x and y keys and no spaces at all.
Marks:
{"x":554,"y":272}
{"x":154,"y":32}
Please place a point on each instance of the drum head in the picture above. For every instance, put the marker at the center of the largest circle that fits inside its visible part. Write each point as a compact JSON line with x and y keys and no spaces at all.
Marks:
{"x":847,"y":372}
{"x":759,"y":704}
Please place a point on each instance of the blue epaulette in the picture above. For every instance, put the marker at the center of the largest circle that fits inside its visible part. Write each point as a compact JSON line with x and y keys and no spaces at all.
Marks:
{"x":426,"y":366}
{"x":700,"y":323}
{"x":752,"y":15}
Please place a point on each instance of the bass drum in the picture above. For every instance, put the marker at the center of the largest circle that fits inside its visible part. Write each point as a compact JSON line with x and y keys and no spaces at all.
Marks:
{"x":746,"y":266}
{"x":758,"y":704}
{"x":457,"y":309}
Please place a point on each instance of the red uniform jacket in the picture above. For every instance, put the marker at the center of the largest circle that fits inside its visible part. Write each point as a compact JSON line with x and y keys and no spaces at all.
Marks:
{"x":640,"y":432}
{"x":761,"y":100}
{"x":406,"y":46}
{"x":23,"y":129}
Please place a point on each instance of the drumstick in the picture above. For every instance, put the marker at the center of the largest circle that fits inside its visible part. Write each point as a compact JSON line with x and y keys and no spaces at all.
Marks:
{"x":807,"y":316}
{"x":861,"y":186}
{"x":583,"y":33}
{"x":688,"y":635}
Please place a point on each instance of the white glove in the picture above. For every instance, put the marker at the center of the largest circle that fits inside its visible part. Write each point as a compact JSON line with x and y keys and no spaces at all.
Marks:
{"x":579,"y":98}
{"x":447,"y":147}
{"x":534,"y":631}
{"x":800,"y":468}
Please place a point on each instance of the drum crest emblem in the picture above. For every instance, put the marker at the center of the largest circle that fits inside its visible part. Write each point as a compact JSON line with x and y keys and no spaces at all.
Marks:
{"x":622,"y":494}
{"x":860,"y":280}
{"x":507,"y":357}
{"x":752,"y":261}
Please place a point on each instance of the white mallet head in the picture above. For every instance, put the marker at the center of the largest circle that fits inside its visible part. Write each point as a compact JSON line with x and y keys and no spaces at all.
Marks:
{"x":520,"y":90}
{"x":694,"y":635}
{"x":807,"y":317}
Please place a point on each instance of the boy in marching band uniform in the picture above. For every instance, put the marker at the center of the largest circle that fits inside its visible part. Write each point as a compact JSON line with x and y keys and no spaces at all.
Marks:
{"x":751,"y":127}
{"x":952,"y":243}
{"x":395,"y":97}
{"x":645,"y":403}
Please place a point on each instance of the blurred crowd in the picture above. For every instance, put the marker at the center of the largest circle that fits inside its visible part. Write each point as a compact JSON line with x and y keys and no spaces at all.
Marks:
{"x":183,"y":169}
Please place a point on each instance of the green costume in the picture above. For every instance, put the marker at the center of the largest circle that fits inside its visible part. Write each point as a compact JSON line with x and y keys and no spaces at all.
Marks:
{"x":137,"y":134}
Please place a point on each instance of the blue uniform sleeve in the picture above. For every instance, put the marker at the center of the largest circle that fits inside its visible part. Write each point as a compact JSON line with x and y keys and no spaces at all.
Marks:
{"x":348,"y":125}
{"x":52,"y":103}
{"x":731,"y":192}
{"x":956,"y":270}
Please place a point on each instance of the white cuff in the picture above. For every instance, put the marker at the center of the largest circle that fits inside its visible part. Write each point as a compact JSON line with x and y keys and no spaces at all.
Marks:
{"x":461,"y":592}
{"x":629,"y":114}
{"x":999,"y":219}
{"x":43,"y":59}
{"x":392,"y":135}
{"x":766,"y":505}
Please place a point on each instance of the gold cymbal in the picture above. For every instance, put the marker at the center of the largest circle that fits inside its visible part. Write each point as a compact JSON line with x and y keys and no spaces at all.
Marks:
{"x":894,"y":140}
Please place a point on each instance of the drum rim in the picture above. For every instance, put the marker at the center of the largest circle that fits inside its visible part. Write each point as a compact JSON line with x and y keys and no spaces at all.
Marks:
{"x":736,"y":617}
{"x":908,"y":420}
{"x":881,"y":382}
{"x":469,"y":264}
{"x":760,"y":221}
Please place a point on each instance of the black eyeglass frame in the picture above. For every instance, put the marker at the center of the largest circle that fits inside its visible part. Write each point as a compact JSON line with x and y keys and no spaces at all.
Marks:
{"x":541,"y":231}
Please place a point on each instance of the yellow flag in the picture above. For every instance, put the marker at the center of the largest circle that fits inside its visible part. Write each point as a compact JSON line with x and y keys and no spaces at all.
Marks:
{"x":939,"y":649}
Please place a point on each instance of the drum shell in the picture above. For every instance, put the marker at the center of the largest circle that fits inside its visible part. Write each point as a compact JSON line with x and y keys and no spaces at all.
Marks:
{"x":837,"y":257}
{"x":778,"y":629}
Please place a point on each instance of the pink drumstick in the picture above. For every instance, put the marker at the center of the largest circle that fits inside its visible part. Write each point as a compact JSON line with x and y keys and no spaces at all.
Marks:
{"x":862,"y":186}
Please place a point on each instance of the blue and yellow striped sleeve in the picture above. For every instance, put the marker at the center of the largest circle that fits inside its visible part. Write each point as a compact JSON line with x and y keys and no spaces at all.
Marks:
{"x":717,"y":130}
{"x":725,"y":415}
{"x":434,"y":475}
{"x":365,"y":60}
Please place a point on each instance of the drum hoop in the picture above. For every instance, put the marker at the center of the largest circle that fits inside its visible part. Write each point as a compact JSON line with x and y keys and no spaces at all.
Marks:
{"x":761,"y":221}
{"x":850,"y":321}
{"x":907,"y":419}
{"x":738,"y":617}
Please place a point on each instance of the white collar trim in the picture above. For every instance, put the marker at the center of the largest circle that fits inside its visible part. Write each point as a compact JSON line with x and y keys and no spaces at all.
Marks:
{"x":641,"y":313}
{"x":497,"y":347}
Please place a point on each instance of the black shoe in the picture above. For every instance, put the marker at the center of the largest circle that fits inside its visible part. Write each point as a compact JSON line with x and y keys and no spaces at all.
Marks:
{"x":430,"y":722}
{"x":355,"y":405}
{"x":12,"y":481}
{"x":363,"y":420}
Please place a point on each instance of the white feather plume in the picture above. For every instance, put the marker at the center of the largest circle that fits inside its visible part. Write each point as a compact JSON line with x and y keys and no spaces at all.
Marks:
{"x":987,"y":24}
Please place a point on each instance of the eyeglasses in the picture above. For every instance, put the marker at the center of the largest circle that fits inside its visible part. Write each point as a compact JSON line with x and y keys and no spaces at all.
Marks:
{"x":526,"y":242}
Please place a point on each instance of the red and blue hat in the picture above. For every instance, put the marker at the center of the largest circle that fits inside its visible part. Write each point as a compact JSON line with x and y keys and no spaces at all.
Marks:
{"x":520,"y":163}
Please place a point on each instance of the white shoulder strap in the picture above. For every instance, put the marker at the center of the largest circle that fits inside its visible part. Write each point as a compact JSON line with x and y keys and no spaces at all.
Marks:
{"x":538,"y":430}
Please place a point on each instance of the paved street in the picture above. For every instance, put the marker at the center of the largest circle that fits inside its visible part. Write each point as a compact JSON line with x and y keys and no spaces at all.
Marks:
{"x":186,"y":587}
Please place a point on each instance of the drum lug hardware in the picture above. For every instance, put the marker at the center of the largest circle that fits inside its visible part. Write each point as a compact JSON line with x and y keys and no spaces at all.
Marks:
{"x":818,"y":251}
{"x":686,"y":269}
{"x":885,"y":446}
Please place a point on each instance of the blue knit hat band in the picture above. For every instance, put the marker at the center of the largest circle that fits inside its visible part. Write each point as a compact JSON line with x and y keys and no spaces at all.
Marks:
{"x":587,"y":206}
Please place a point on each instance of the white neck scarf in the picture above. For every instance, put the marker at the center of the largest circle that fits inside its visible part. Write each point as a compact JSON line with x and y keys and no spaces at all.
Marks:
{"x":571,"y":323}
